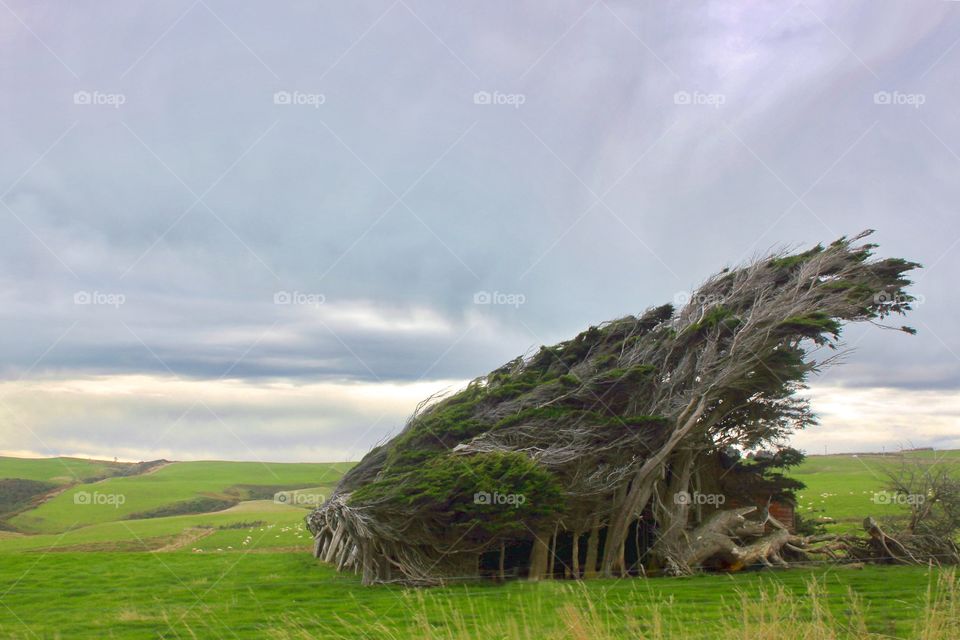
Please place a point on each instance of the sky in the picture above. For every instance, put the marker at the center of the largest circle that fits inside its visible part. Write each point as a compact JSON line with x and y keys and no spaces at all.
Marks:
{"x":267,"y":231}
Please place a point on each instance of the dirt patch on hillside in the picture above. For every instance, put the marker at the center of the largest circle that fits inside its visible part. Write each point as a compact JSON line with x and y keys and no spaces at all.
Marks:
{"x":187,"y":537}
{"x":159,"y":544}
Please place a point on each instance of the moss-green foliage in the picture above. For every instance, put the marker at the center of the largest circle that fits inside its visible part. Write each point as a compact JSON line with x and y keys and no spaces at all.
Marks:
{"x":718,"y":316}
{"x":451,"y":489}
{"x":197,"y":505}
{"x":16,"y":493}
{"x":263,"y":491}
{"x":454,"y":419}
{"x":538,"y":414}
{"x":438,"y":429}
{"x":569,"y":380}
{"x":812,"y":325}
{"x":789,"y":262}
{"x":632,"y":375}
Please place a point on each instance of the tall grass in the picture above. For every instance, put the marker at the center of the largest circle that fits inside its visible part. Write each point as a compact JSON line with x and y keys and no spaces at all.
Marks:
{"x":775,"y":613}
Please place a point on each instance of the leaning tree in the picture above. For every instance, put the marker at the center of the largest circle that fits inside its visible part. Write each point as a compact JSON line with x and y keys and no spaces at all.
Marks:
{"x":570,"y":454}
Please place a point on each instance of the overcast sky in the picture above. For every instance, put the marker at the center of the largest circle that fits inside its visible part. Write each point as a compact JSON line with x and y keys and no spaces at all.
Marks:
{"x":265,"y":231}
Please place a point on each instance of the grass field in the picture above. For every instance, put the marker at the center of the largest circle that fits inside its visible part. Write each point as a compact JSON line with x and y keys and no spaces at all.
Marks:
{"x":846,"y":487}
{"x":245,"y":571}
{"x":55,"y":470}
{"x":289,"y":595}
{"x":174,"y":483}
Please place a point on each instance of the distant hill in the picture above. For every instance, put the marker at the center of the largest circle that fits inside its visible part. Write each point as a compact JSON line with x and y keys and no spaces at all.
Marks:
{"x":70,"y":503}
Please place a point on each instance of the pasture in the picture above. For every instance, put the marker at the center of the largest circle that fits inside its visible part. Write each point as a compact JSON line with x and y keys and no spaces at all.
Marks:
{"x":91,"y":567}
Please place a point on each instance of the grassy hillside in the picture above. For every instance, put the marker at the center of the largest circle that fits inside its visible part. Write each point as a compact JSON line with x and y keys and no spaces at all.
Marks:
{"x":267,"y":524}
{"x":178,"y":485}
{"x":57,"y":470}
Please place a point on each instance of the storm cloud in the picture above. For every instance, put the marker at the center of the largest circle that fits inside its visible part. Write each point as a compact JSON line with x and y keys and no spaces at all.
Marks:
{"x":233,"y":217}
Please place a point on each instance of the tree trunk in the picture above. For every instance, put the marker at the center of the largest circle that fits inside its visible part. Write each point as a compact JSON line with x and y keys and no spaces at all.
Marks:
{"x":538,"y":558}
{"x":503,"y":552}
{"x":593,"y":544}
{"x":716,"y":540}
{"x":335,"y":542}
{"x":673,"y":509}
{"x":641,"y":488}
{"x":552,"y":563}
{"x":575,"y":556}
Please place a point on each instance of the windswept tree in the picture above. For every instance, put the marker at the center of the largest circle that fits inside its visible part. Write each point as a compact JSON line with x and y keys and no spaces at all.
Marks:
{"x":599,"y":438}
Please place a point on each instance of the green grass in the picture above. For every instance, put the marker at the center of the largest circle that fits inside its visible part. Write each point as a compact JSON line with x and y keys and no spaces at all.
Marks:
{"x":56,"y":470}
{"x":843,"y":487}
{"x":267,"y":595}
{"x":177,"y":482}
{"x":285,"y":524}
{"x":86,"y":572}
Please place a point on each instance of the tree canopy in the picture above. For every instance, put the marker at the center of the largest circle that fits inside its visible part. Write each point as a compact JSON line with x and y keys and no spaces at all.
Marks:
{"x":597,"y":431}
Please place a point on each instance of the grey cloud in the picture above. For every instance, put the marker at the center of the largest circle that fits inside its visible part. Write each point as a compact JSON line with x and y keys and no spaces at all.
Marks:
{"x":599,"y":196}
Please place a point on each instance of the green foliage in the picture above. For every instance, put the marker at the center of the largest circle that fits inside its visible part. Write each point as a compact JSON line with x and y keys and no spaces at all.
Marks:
{"x":634,"y":374}
{"x":537,"y":414}
{"x":717,"y":316}
{"x":449,"y":490}
{"x":763,"y":471}
{"x":263,"y":491}
{"x":16,"y":493}
{"x":196,"y":505}
{"x":815,"y":325}
{"x":790,"y":262}
{"x":453,"y":420}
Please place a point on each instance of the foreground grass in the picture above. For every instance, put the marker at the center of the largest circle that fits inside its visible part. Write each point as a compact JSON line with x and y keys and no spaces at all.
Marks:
{"x":287,"y":596}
